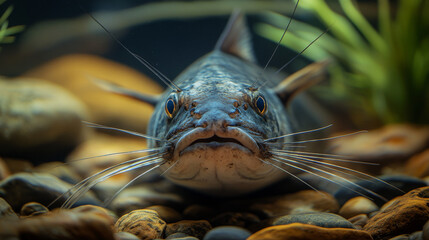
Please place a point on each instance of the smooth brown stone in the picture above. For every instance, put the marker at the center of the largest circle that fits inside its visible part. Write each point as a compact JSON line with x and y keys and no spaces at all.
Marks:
{"x":38,"y":117}
{"x":145,"y":224}
{"x":356,"y":206}
{"x":74,"y":72}
{"x":6,"y":210}
{"x":66,"y":225}
{"x":33,"y":209}
{"x":301,"y":202}
{"x":418,"y":165}
{"x":4,"y":170}
{"x":402,"y":215}
{"x":299,"y":231}
{"x":196,"y":228}
{"x":359,"y":220}
{"x":384,"y":145}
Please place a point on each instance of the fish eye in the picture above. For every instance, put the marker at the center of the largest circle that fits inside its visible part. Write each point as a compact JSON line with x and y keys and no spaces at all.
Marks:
{"x":170,"y":107}
{"x":261,"y":104}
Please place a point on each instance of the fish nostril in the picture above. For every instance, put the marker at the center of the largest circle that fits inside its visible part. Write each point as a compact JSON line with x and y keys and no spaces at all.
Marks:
{"x":234,"y":113}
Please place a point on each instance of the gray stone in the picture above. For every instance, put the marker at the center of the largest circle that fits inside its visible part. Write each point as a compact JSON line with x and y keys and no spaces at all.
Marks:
{"x":326,"y":220}
{"x":38,"y":119}
{"x":22,"y":188}
{"x":227,"y":233}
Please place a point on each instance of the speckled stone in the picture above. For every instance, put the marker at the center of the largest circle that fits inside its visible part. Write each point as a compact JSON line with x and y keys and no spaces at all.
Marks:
{"x":299,"y":231}
{"x":227,"y":233}
{"x":168,"y":214}
{"x":145,"y":224}
{"x":300,"y":202}
{"x":38,"y":119}
{"x":240,"y":219}
{"x":326,"y":220}
{"x":66,"y":225}
{"x":196,"y":228}
{"x":33,"y":209}
{"x":402,"y":215}
{"x":72,"y":71}
{"x":404,"y":183}
{"x":6,"y":210}
{"x":356,"y":206}
{"x":22,"y":188}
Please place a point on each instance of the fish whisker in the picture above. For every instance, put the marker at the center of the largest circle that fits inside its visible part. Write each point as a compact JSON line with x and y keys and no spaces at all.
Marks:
{"x":322,"y":156}
{"x":95,"y":125}
{"x":298,"y":133}
{"x":326,"y":139}
{"x":108,"y":201}
{"x":85,"y":186}
{"x":284,"y":160}
{"x":291,"y":174}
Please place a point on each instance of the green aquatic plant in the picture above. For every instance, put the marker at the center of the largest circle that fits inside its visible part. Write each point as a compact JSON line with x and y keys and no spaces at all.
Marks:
{"x":384,"y":71}
{"x":6,"y":32}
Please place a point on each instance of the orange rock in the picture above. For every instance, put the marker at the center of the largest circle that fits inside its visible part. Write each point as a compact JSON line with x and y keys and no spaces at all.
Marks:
{"x":73,"y":72}
{"x":418,"y":165}
{"x":401,"y":215}
{"x":299,"y":231}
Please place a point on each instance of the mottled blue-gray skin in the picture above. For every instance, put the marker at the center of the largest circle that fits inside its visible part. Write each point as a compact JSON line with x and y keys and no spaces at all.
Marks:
{"x":217,"y":90}
{"x":215,"y":135}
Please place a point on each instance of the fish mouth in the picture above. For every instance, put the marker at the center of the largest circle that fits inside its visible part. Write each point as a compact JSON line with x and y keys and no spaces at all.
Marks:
{"x":232,"y":137}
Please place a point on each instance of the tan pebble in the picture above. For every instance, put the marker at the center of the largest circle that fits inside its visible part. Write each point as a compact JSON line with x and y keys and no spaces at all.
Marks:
{"x":38,"y":117}
{"x":97,"y":211}
{"x":144,"y":223}
{"x":418,"y":165}
{"x":300,"y":202}
{"x":33,"y":209}
{"x":4,"y":170}
{"x":168,"y":214}
{"x":402,"y":215}
{"x":356,"y":206}
{"x":196,"y":228}
{"x":299,"y":231}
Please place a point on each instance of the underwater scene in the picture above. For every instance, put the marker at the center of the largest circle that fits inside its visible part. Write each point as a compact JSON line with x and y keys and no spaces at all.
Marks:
{"x":214,"y":120}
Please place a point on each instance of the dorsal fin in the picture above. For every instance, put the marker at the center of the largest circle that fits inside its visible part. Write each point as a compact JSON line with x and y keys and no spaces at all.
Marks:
{"x":235,"y":38}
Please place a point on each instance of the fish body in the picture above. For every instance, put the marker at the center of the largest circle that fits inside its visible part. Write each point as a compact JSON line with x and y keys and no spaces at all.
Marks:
{"x":215,"y":123}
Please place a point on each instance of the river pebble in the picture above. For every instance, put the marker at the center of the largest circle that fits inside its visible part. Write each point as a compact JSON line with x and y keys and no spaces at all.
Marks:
{"x":125,"y":236}
{"x":239,"y":219}
{"x":196,"y":228}
{"x":40,"y":120}
{"x":300,"y":202}
{"x":326,"y":220}
{"x":356,"y":206}
{"x":359,"y":221}
{"x":4,"y":170}
{"x":227,"y":233}
{"x":33,"y":209}
{"x":168,"y":214}
{"x":418,"y":165}
{"x":145,"y":224}
{"x":402,"y":215}
{"x":304,"y":231}
{"x":22,"y":188}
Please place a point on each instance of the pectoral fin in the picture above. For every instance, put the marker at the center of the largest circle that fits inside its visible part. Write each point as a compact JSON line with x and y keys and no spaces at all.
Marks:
{"x":114,"y":88}
{"x":301,"y":80}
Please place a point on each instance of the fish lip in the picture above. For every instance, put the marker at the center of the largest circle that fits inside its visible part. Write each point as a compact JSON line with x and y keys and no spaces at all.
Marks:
{"x":244,"y":139}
